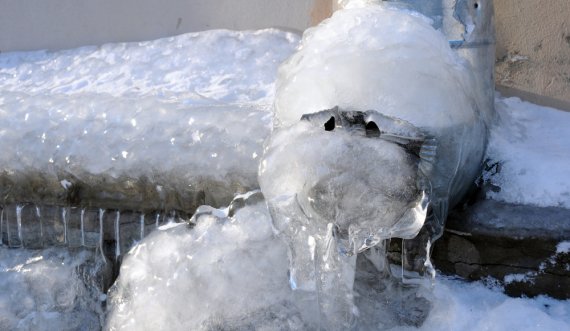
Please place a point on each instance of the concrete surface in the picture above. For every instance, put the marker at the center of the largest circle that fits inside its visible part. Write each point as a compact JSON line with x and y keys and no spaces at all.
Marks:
{"x":515,"y":244}
{"x":533,"y":50}
{"x":60,"y":24}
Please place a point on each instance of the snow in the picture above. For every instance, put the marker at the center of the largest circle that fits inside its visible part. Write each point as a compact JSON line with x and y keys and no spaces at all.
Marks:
{"x":563,"y":247}
{"x":217,"y":66}
{"x":531,"y":143}
{"x":474,"y":306}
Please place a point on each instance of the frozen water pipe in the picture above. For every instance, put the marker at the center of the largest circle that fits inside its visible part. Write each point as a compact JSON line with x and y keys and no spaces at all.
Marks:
{"x":470,"y":28}
{"x":375,"y":116}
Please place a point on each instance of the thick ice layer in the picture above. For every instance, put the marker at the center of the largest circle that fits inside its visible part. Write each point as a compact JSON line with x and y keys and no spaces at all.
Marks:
{"x":165,"y":124}
{"x":231,"y":274}
{"x":211,"y":66}
{"x":532,"y":145}
{"x":127,"y":153}
{"x":225,"y":273}
{"x":395,"y":123}
{"x":52,"y":289}
{"x":375,"y":57}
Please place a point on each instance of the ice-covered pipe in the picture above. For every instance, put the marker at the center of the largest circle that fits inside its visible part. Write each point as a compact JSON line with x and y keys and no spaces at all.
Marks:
{"x":470,"y":29}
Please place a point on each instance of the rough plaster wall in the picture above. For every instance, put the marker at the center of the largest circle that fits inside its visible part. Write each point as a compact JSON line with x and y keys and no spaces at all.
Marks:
{"x":57,"y":24}
{"x":533,"y":49}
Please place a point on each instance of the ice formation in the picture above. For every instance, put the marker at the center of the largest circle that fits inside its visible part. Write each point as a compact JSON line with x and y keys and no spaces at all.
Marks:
{"x":375,"y":117}
{"x":237,"y":274}
{"x":126,"y":153}
{"x":52,"y":289}
{"x":229,"y":272}
{"x":161,"y":125}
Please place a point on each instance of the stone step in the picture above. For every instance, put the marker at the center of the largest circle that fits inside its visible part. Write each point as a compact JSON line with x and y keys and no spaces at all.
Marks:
{"x":522,"y":246}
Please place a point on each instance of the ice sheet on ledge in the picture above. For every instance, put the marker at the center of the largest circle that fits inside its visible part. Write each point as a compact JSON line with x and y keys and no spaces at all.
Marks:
{"x":170,"y":123}
{"x":96,"y":148}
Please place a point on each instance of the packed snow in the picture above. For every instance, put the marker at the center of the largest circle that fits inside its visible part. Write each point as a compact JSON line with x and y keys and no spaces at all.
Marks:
{"x":531,"y":144}
{"x":207,"y":95}
{"x":216,"y":66}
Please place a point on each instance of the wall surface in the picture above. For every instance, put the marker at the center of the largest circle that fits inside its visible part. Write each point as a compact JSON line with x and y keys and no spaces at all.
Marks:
{"x":58,"y":24}
{"x":533,"y":50}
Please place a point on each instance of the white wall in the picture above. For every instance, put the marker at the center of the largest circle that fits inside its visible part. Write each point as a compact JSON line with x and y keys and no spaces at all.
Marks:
{"x":58,"y":24}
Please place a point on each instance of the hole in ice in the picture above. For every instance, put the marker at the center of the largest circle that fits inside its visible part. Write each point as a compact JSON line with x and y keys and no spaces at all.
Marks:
{"x":330,"y":124}
{"x":476,"y":5}
{"x":372,"y":129}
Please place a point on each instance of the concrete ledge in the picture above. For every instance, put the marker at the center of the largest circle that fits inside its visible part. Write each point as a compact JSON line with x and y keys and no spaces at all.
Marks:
{"x":515,"y":244}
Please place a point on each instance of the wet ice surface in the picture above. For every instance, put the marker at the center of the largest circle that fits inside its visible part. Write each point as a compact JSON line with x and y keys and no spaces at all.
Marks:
{"x":231,"y":274}
{"x":48,"y":290}
{"x":532,"y":144}
{"x":408,"y":129}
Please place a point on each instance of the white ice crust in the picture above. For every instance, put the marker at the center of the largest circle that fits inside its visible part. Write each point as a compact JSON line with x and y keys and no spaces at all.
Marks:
{"x":220,"y":273}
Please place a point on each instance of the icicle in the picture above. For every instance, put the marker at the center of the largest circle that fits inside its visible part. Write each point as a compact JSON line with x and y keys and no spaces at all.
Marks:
{"x":82,"y":221}
{"x":19,"y":221}
{"x":101,"y":215}
{"x":64,"y":218}
{"x":2,"y":227}
{"x":142,"y":226}
{"x":117,"y":235}
{"x":39,"y":215}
